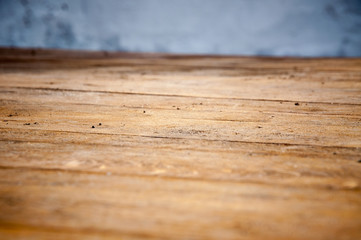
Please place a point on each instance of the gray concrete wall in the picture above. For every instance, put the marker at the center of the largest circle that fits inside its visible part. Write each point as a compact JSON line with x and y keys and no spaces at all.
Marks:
{"x":252,"y":27}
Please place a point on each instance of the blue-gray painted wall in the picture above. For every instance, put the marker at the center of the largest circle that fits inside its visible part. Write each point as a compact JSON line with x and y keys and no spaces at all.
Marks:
{"x":248,"y":27}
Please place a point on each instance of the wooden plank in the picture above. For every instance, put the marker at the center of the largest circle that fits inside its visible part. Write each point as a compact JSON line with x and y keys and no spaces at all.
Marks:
{"x":171,"y":208}
{"x":186,"y":118}
{"x":189,"y":147}
{"x":317,"y":80}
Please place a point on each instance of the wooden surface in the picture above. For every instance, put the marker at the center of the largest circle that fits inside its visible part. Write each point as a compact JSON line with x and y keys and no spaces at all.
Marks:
{"x":189,"y":147}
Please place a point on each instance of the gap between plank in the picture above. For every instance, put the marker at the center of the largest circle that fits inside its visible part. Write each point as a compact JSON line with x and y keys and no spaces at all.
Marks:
{"x":190,"y":139}
{"x":182,"y":96}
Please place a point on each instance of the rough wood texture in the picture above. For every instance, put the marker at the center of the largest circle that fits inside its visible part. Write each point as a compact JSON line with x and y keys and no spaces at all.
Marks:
{"x":189,"y":147}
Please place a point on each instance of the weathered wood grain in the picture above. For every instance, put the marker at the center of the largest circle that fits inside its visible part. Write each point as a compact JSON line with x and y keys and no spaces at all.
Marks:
{"x":189,"y":147}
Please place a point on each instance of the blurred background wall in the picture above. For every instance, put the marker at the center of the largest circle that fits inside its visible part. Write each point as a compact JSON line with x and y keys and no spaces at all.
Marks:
{"x":248,"y":27}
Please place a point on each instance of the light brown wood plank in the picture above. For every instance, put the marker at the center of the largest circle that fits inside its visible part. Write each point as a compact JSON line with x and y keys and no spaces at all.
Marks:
{"x":317,"y":80}
{"x":197,"y":209}
{"x":185,"y":118}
